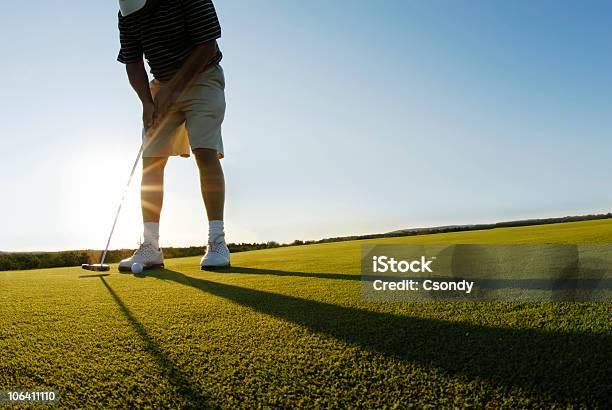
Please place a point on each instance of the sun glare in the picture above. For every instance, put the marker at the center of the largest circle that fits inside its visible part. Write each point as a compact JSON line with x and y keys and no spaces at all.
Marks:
{"x":92,"y":188}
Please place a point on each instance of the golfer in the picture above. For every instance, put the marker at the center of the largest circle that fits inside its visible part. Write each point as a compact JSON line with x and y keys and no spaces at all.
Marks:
{"x":182,"y":109}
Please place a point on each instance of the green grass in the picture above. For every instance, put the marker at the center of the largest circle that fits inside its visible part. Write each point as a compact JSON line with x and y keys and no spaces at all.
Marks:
{"x":286,"y":327}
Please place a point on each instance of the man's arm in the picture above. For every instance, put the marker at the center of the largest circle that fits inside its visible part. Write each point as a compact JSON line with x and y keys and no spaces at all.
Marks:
{"x":140,"y":83}
{"x":200,"y":57}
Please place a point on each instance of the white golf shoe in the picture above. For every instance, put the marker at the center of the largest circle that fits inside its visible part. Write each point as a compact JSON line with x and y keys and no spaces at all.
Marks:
{"x":147,"y":255}
{"x":217,"y":256}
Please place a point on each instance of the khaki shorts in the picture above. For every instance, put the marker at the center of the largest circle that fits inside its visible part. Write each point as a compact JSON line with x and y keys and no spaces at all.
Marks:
{"x":194,"y":120}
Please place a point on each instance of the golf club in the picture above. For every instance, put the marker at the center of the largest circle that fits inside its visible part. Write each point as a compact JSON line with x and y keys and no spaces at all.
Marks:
{"x":102,"y":267}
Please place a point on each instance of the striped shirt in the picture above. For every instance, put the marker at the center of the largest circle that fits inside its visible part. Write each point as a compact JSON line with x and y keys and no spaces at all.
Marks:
{"x":167,"y":33}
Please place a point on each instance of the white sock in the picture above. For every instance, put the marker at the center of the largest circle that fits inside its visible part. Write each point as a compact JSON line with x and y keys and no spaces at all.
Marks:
{"x":215,"y":232}
{"x":151,"y":233}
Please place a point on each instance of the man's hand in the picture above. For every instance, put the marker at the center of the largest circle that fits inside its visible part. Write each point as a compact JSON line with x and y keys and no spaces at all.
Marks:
{"x":184,"y":78}
{"x":153,"y":110}
{"x":148,"y":113}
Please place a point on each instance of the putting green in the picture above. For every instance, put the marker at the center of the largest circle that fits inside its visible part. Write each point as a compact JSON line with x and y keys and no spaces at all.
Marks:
{"x":286,"y":327}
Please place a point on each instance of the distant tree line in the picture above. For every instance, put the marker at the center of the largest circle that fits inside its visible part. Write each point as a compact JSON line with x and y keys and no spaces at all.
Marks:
{"x":42,"y":260}
{"x":475,"y":227}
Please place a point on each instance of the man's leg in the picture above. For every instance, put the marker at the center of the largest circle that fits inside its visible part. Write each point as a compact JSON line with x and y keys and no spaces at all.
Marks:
{"x":152,"y":188}
{"x":152,"y":197}
{"x":149,"y":255}
{"x":212,"y":182}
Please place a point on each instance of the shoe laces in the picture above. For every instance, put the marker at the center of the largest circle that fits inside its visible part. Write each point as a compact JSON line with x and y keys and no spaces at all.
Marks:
{"x":146,"y":249}
{"x":218,"y":247}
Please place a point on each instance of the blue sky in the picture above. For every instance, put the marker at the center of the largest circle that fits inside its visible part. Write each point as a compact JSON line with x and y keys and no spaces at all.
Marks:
{"x":344,"y":117}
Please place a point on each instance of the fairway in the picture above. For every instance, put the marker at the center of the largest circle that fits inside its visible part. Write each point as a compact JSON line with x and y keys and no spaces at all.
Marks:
{"x":287,"y":327}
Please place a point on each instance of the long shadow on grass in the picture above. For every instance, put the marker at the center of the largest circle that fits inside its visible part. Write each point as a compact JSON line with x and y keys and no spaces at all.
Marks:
{"x":191,"y":393}
{"x":565,"y":367}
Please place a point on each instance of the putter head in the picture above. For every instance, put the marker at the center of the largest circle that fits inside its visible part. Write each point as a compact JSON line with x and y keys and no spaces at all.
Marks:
{"x":96,"y":267}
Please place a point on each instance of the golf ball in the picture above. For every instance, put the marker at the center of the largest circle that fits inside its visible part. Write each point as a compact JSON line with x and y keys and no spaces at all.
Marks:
{"x":137,"y":267}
